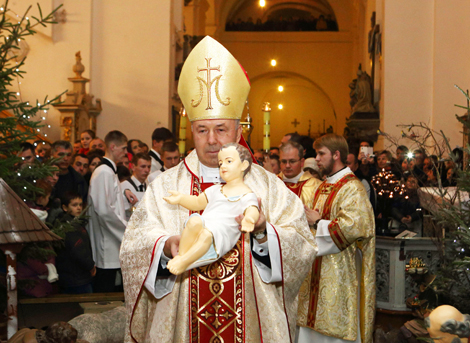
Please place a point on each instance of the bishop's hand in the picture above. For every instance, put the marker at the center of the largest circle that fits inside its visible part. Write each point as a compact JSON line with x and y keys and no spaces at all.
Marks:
{"x":171,"y":247}
{"x":174,"y":198}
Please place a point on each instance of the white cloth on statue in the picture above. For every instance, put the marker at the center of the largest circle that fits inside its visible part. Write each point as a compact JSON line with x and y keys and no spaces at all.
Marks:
{"x":294,"y":179}
{"x":139,"y":194}
{"x":107,"y":216}
{"x":155,"y":164}
{"x":161,"y":286}
{"x":326,"y":246}
{"x":219,"y":218}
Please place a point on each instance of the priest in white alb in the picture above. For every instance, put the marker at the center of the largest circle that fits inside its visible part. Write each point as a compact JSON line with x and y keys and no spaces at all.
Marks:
{"x":249,"y":294}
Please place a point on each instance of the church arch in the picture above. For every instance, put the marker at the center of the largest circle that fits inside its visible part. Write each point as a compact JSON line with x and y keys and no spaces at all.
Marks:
{"x":306,"y":107}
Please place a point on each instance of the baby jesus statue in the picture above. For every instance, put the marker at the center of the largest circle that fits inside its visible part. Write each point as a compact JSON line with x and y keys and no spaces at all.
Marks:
{"x":211,"y":235}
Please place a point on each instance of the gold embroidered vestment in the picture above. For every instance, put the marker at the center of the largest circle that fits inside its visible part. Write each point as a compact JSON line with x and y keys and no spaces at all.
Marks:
{"x":328,"y":299}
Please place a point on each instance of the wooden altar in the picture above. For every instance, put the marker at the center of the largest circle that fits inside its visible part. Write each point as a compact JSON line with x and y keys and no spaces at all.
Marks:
{"x":77,"y":111}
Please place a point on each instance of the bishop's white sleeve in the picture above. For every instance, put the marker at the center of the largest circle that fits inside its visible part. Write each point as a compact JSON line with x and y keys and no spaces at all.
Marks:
{"x":272,"y":248}
{"x":159,"y":286}
{"x":103,"y":194}
{"x":326,"y":246}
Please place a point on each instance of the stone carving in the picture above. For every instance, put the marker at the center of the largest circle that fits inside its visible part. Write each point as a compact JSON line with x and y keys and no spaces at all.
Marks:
{"x":382,"y":258}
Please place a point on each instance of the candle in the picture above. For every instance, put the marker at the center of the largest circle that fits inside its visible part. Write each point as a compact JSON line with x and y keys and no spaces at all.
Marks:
{"x":266,"y":127}
{"x":182,"y":133}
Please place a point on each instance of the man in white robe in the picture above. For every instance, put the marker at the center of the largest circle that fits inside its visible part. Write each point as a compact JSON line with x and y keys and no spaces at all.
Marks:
{"x":247,"y":295}
{"x":107,"y":217}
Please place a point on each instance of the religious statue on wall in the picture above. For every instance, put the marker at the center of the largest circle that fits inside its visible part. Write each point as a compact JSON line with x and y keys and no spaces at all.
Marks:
{"x":361,"y":93}
{"x":364,"y":121}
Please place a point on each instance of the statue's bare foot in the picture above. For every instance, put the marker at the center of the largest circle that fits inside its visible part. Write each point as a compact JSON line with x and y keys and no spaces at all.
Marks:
{"x":177,"y":265}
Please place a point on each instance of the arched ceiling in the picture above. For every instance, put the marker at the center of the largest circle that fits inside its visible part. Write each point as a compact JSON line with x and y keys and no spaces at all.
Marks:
{"x":341,"y":10}
{"x":315,"y":7}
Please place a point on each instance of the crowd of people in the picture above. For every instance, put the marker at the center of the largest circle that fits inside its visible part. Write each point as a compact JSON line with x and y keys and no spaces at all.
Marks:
{"x":110,"y":177}
{"x":391,"y":182}
{"x":80,"y":180}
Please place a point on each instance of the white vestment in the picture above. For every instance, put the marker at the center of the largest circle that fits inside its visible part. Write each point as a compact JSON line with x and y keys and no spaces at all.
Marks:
{"x":107,"y":216}
{"x":161,"y":311}
{"x":155,"y":164}
{"x":139,"y":194}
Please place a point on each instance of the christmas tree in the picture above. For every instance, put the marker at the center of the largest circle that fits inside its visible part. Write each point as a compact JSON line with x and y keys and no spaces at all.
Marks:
{"x":453,"y":279}
{"x":21,"y":124}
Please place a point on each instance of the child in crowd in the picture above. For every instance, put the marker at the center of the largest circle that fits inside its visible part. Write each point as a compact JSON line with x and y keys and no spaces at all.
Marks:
{"x":74,"y":261}
{"x":43,"y":150}
{"x":39,"y":206}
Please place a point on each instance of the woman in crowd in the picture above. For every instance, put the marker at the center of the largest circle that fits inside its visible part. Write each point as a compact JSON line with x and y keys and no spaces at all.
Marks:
{"x":85,"y":138}
{"x":94,"y":160}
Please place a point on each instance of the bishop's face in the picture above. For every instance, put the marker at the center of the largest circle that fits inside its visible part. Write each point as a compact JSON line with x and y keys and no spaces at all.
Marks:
{"x":209,"y":136}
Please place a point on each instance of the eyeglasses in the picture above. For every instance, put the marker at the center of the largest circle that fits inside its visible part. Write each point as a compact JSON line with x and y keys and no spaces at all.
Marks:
{"x":291,"y":162}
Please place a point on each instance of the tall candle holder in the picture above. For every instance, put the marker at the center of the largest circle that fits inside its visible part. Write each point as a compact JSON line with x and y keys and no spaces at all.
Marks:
{"x":266,"y":126}
{"x":182,"y":131}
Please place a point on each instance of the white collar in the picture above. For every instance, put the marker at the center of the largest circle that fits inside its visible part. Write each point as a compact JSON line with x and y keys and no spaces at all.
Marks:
{"x":112,"y":162}
{"x":338,"y":175}
{"x":156,"y":153}
{"x":294,"y":179}
{"x":209,"y":175}
{"x":137,"y":182}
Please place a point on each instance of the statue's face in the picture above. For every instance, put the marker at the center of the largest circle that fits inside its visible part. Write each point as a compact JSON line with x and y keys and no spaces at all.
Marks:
{"x":230,"y":165}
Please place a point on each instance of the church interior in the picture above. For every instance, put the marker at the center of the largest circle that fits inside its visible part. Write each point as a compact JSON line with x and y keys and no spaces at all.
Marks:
{"x":117,"y":65}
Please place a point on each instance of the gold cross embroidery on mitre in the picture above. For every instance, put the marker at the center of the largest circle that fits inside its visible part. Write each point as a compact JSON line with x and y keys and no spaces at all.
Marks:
{"x":208,"y":83}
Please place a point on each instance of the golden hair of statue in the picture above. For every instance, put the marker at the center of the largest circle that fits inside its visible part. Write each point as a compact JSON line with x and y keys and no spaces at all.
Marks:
{"x":212,"y":84}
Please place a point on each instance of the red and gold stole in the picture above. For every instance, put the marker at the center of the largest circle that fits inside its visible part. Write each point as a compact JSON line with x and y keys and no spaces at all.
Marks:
{"x":296,"y":188}
{"x":217,"y":294}
{"x":330,"y":190}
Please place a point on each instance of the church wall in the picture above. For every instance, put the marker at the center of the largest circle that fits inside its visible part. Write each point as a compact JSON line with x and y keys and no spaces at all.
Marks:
{"x":408,"y":61}
{"x":51,"y":58}
{"x":126,"y":52}
{"x":424,"y":55}
{"x":451,"y":65}
{"x":131,"y":66}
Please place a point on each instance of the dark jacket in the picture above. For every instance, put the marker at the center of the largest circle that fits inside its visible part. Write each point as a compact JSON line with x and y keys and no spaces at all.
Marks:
{"x":406,"y":207}
{"x":74,"y":261}
{"x":72,"y":181}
